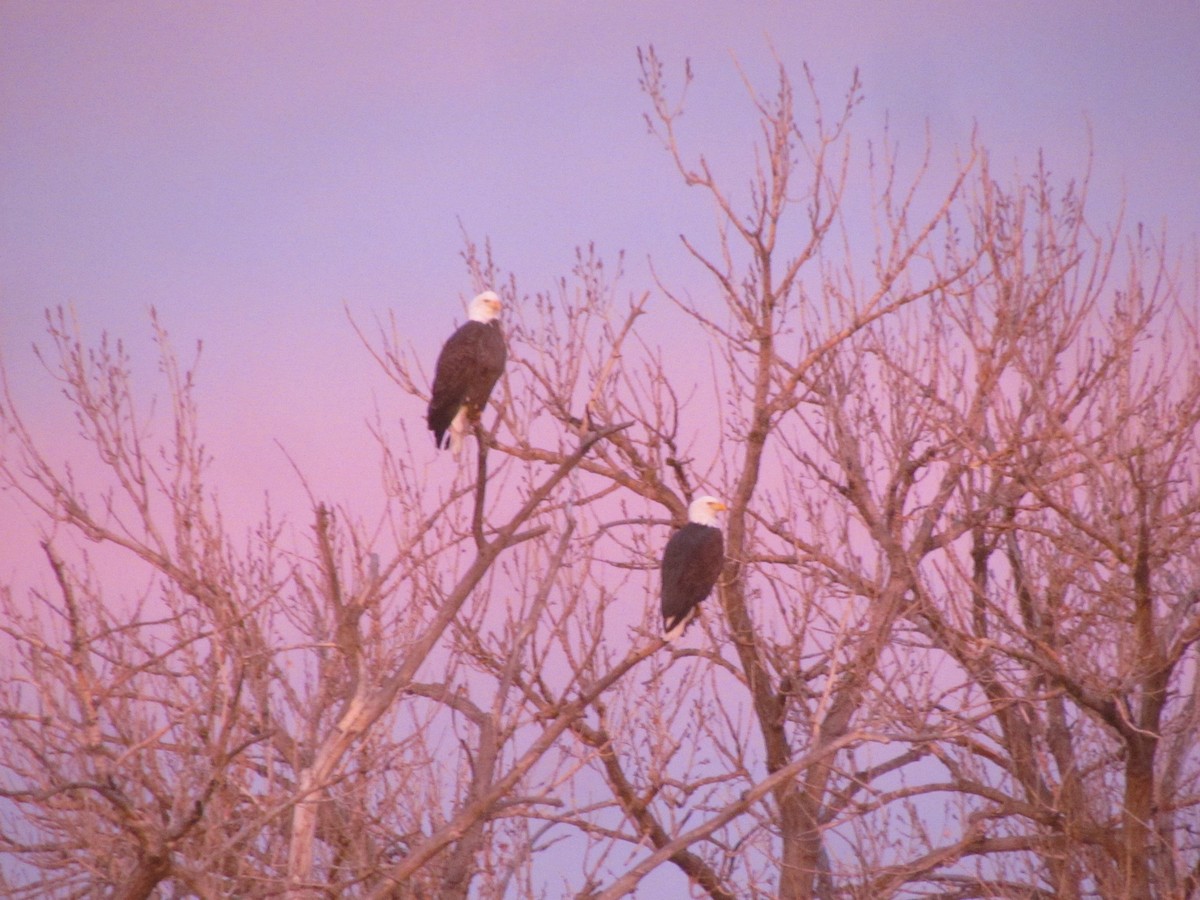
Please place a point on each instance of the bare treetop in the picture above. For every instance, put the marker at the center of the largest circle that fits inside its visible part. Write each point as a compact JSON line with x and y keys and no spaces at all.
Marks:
{"x":950,"y":645}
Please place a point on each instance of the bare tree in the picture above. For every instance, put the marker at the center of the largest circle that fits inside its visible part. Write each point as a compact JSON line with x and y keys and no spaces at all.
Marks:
{"x":1075,"y":610}
{"x":254,"y":719}
{"x":952,"y":652}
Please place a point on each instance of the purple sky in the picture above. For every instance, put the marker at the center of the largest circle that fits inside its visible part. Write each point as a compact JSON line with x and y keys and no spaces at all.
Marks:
{"x":251,"y":168}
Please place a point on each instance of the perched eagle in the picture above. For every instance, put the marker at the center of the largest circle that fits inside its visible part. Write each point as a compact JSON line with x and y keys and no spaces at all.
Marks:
{"x":467,"y":369}
{"x":690,"y":565}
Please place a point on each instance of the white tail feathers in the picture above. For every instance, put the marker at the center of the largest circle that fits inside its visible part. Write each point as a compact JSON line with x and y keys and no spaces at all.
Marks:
{"x":458,"y":431}
{"x":683,"y":623}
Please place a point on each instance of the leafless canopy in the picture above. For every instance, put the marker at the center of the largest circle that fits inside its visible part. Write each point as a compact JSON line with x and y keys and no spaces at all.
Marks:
{"x":953,"y":652}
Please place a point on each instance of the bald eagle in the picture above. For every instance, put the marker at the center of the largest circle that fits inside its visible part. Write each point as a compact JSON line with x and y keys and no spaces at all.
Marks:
{"x":690,"y":565}
{"x":468,"y":367}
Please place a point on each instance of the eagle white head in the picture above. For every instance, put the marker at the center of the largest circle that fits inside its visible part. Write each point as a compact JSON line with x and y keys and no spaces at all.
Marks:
{"x":485,"y":307}
{"x":703,"y":510}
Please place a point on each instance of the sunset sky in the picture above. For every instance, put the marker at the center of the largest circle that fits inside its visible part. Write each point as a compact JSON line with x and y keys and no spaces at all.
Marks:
{"x":252,"y":169}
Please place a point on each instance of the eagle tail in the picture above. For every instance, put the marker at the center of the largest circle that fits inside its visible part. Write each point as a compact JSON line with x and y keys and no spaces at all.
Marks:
{"x":458,"y":431}
{"x":675,"y":626}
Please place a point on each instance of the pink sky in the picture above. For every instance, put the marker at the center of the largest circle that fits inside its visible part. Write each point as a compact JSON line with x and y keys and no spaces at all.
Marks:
{"x":251,"y":168}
